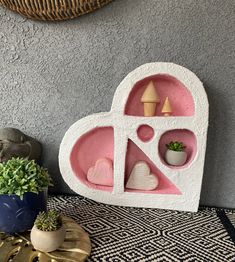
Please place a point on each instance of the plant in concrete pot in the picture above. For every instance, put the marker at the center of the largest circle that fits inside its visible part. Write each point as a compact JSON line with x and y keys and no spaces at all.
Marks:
{"x":175,"y":154}
{"x":48,"y":232}
{"x":23,"y":194}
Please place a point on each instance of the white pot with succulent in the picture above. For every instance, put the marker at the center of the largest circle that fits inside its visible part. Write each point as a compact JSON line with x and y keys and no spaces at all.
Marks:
{"x":175,"y":154}
{"x":48,"y":232}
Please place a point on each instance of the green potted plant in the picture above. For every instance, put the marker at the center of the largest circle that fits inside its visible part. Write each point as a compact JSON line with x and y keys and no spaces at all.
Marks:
{"x":23,"y":194}
{"x":175,"y":154}
{"x":48,"y":232}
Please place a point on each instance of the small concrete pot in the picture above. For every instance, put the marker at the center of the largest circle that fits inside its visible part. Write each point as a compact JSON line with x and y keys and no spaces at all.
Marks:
{"x":47,"y":241}
{"x":175,"y":158}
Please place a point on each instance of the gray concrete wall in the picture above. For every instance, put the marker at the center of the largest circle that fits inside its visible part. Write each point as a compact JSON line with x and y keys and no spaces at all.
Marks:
{"x":52,"y":74}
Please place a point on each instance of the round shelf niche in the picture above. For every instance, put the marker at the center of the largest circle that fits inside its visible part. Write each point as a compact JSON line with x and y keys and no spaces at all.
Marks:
{"x":145,"y":133}
{"x":182,"y":135}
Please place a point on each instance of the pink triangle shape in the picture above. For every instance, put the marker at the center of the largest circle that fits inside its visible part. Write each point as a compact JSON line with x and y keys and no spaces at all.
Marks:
{"x":134,"y":154}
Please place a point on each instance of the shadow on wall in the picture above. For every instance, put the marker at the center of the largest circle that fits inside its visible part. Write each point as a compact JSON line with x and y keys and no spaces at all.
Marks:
{"x":51,"y":163}
{"x":217,"y":147}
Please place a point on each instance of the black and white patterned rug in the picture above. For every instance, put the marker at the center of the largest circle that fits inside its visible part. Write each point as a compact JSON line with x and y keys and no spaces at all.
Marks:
{"x":141,"y":234}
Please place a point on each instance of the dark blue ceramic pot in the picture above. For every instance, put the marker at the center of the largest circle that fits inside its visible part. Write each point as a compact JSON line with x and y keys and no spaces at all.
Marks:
{"x":18,"y":215}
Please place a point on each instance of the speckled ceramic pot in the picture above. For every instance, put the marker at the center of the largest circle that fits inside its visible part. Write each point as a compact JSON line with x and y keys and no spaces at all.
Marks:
{"x":18,"y":215}
{"x":175,"y":158}
{"x":47,"y":241}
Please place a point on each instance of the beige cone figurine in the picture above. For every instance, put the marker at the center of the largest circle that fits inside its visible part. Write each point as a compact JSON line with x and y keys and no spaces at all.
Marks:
{"x":167,"y":109}
{"x":150,"y":98}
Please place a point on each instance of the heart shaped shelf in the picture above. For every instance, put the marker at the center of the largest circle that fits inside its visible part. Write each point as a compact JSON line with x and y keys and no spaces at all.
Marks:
{"x":119,"y":157}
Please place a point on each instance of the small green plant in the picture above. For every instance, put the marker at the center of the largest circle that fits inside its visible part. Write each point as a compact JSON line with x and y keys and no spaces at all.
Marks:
{"x":176,"y":146}
{"x":48,"y":221}
{"x":19,"y":176}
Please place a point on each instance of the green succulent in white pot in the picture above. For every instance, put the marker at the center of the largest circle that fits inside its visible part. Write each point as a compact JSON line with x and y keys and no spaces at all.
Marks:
{"x":175,"y":154}
{"x":23,"y":194}
{"x":48,"y":232}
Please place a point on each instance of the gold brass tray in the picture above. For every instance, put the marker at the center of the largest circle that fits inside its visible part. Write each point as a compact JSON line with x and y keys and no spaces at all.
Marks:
{"x":76,"y":247}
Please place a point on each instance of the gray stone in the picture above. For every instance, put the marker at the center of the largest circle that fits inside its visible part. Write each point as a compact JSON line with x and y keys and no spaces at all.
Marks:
{"x":14,"y":143}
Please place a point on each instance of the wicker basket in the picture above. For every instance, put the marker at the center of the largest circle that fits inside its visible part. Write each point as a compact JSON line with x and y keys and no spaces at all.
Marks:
{"x":53,"y":10}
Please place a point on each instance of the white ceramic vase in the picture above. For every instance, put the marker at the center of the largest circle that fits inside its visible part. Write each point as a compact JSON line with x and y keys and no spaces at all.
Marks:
{"x":47,"y":241}
{"x":175,"y":158}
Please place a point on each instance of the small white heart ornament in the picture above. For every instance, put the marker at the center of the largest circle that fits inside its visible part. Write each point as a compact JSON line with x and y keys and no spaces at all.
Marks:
{"x":141,"y":178}
{"x":101,"y":173}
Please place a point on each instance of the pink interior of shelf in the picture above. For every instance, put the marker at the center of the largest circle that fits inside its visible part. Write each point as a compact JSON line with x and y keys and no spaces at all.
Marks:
{"x":166,"y":86}
{"x":134,"y":154}
{"x":181,"y":135}
{"x":96,"y":144}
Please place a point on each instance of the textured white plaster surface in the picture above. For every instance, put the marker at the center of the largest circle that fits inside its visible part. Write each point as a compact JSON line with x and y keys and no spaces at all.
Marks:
{"x":187,"y":179}
{"x":52,"y":74}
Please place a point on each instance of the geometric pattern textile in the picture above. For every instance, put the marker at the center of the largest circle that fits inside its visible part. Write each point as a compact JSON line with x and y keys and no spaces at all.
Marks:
{"x":141,"y":234}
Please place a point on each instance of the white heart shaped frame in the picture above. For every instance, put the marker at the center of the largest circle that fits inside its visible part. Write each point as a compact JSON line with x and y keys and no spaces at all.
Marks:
{"x":125,"y":136}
